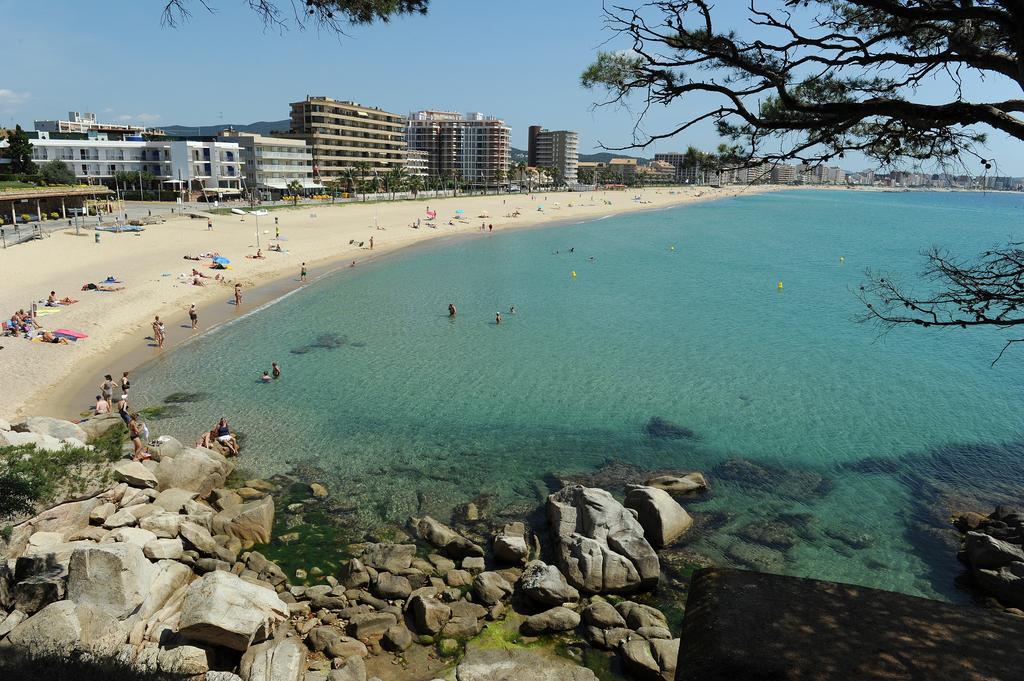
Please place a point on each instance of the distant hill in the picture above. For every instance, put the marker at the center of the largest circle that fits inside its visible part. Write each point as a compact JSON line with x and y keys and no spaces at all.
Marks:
{"x":603,"y":157}
{"x":606,"y":156}
{"x":259,"y":127}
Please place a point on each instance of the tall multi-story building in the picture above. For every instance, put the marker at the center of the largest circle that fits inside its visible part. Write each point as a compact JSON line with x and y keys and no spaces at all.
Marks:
{"x":270,"y":164}
{"x":345,"y":135}
{"x":87,"y":123}
{"x":558,"y":149}
{"x":210,"y":167}
{"x":473,"y":147}
{"x":417,"y":163}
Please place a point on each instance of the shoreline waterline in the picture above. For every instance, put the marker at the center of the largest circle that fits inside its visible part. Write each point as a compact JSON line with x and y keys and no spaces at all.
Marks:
{"x":73,"y":393}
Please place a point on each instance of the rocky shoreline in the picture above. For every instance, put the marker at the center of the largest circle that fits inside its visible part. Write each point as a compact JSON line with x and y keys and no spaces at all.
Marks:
{"x":159,"y":571}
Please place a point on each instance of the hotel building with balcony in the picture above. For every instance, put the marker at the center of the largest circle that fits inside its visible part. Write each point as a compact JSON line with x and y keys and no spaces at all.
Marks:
{"x":473,"y":147}
{"x":210,"y":167}
{"x":270,"y":164}
{"x":343,"y":134}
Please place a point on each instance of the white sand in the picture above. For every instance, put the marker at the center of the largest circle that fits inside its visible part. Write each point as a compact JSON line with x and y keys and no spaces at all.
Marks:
{"x":34,"y":373}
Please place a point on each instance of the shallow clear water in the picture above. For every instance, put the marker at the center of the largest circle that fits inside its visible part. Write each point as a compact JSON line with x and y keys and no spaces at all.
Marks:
{"x":414,"y":412}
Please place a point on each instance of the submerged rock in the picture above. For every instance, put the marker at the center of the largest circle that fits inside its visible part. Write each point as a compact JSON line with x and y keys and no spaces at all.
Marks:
{"x":657,"y":427}
{"x":793,"y":483}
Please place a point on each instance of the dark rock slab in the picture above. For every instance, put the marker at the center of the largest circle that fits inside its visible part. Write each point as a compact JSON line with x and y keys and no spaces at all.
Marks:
{"x":748,"y":625}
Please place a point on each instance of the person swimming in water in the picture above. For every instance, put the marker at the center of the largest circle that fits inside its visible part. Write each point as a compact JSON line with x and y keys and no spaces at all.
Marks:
{"x":265,"y":377}
{"x":511,"y":309}
{"x":497,"y":318}
{"x":451,"y":310}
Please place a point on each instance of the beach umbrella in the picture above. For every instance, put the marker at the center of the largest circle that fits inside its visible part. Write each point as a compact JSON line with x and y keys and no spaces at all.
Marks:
{"x":221,"y":260}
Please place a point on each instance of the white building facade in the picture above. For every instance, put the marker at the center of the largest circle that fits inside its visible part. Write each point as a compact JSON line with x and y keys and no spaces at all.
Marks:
{"x":202,"y":166}
{"x":270,"y":164}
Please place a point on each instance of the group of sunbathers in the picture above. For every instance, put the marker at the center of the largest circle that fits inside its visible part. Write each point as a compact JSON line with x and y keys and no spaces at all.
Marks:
{"x":20,"y":323}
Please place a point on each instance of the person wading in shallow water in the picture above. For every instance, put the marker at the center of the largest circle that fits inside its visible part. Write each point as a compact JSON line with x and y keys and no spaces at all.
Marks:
{"x":497,"y":318}
{"x":451,"y":310}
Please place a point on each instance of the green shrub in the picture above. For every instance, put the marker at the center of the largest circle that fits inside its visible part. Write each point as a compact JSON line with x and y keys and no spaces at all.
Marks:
{"x":55,"y":215}
{"x":29,"y":476}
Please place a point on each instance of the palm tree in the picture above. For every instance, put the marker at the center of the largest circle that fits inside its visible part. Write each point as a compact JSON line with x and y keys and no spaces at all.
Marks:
{"x":415,"y":184}
{"x":335,"y":185}
{"x":363,"y":170}
{"x":294,"y":187}
{"x":350,"y":176}
{"x":395,"y":180}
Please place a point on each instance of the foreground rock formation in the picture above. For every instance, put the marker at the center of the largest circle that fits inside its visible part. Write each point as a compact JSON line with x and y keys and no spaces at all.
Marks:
{"x":993,"y":550}
{"x":159,"y":571}
{"x":748,"y":625}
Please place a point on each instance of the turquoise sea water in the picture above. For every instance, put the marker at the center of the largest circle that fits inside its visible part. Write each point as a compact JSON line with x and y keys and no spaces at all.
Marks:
{"x":410,"y":412}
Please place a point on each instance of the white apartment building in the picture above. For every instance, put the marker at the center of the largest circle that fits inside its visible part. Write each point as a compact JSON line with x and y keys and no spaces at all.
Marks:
{"x":417,"y":163}
{"x":199,"y":166}
{"x":270,"y":164}
{"x":473,"y":147}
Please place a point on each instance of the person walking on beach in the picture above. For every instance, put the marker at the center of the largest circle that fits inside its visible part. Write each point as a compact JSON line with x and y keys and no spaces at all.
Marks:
{"x":275,"y":370}
{"x":238,"y":295}
{"x":158,"y":331}
{"x":193,"y":316}
{"x":302,"y":273}
{"x":107,"y":388}
{"x":125,"y":385}
{"x":209,"y":224}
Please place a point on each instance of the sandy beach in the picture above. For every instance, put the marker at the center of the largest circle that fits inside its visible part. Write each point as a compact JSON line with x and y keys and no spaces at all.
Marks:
{"x":49,"y":378}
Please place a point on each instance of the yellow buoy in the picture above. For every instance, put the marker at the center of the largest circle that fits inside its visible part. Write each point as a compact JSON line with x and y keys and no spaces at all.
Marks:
{"x":574,"y":274}
{"x":780,"y":285}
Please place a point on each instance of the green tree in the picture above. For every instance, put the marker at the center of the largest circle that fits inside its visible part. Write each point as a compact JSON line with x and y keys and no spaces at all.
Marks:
{"x":335,"y":185}
{"x":363,"y":170}
{"x":585,"y":175}
{"x":415,"y":185}
{"x":394,"y":180}
{"x":351,"y":177}
{"x":57,"y":172}
{"x":19,"y":152}
{"x":295,"y":189}
{"x":148,"y":179}
{"x":331,"y":15}
{"x":123,"y":178}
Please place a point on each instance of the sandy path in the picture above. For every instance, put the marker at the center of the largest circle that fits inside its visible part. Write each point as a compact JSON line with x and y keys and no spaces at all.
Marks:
{"x":150,"y":265}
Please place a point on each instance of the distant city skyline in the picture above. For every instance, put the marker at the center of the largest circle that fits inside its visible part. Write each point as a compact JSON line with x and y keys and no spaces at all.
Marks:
{"x":519,"y":63}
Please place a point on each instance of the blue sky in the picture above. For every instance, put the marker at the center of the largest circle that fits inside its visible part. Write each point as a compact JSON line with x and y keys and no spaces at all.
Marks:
{"x":520,"y":61}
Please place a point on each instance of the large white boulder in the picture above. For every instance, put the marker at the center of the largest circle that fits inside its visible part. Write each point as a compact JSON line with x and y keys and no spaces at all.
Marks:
{"x":66,"y":627}
{"x":195,"y":469}
{"x":134,"y":473}
{"x":55,"y":428}
{"x":114,"y":578}
{"x":600,"y":545}
{"x":251,"y":523}
{"x":224,"y":610}
{"x":279,"y":659}
{"x":661,"y":516}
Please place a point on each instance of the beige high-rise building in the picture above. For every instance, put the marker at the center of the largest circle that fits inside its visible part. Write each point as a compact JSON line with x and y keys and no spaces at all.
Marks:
{"x":345,"y":134}
{"x":558,"y":149}
{"x":474,"y":147}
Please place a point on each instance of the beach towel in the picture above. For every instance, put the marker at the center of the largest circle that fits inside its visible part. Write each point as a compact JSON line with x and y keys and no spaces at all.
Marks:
{"x":43,"y":311}
{"x":69,"y":334}
{"x":111,"y":280}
